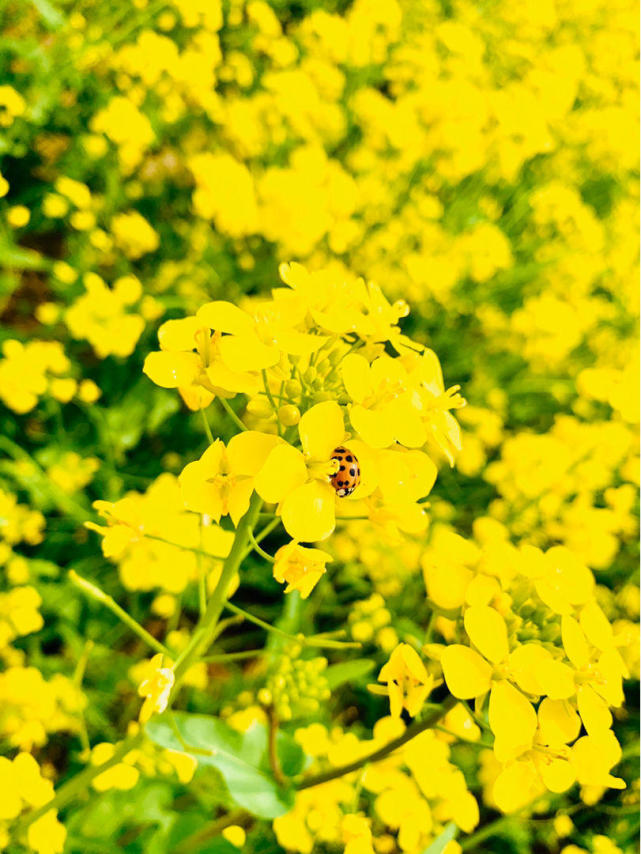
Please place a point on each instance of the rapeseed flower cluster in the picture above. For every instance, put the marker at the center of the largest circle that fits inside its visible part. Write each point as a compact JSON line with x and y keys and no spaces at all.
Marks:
{"x":295,"y":357}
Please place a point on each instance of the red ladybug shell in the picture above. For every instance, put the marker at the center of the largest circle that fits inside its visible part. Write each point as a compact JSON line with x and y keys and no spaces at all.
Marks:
{"x":348,"y":475}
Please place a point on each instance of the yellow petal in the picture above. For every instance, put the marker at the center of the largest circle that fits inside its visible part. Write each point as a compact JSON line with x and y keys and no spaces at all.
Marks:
{"x":308,"y":512}
{"x":517,"y":785}
{"x":284,"y":470}
{"x":610,"y":670}
{"x":446,"y":583}
{"x":409,"y":428}
{"x":223,"y":377}
{"x":594,"y":711}
{"x":574,"y":642}
{"x":487,"y":630}
{"x":372,"y":426}
{"x":556,"y":678}
{"x":238,"y":499}
{"x":512,"y":720}
{"x":558,"y":722}
{"x":180,"y":334}
{"x":482,"y":590}
{"x":170,"y":370}
{"x":247,"y":353}
{"x":467,"y":674}
{"x":298,"y":343}
{"x":593,"y":756}
{"x":596,"y":626}
{"x":225,"y":317}
{"x":525,"y":663}
{"x":200,"y":493}
{"x":356,"y":376}
{"x":247,"y":452}
{"x":321,"y":429}
{"x":405,"y":476}
{"x":413,"y":663}
{"x":558,"y":775}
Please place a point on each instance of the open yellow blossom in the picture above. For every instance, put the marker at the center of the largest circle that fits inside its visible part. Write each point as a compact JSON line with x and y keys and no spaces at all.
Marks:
{"x":221,"y":482}
{"x":408,"y":683}
{"x":156,"y":688}
{"x":383,"y":410}
{"x":300,"y":567}
{"x":298,"y":481}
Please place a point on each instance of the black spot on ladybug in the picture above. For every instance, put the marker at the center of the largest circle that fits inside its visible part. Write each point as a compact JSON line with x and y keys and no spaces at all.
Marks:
{"x":346,"y":483}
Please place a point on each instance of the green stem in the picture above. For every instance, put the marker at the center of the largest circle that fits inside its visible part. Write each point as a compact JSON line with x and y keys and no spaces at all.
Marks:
{"x":233,"y":656}
{"x":210,"y":436}
{"x":192,"y":549}
{"x":258,"y":549}
{"x":196,"y":841}
{"x":433,"y":717}
{"x":207,"y":624}
{"x":64,"y":502}
{"x":319,"y":641}
{"x":270,"y":398}
{"x":274,"y":761}
{"x":81,"y":782}
{"x":100,"y":596}
{"x":232,"y":414}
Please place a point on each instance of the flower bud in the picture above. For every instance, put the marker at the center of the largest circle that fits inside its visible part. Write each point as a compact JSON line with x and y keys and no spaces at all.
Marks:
{"x":293,"y":388}
{"x":289,"y":415}
{"x":259,"y":406}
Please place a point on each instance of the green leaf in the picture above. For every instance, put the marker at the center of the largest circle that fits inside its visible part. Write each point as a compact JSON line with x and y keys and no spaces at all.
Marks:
{"x":348,"y":671}
{"x":241,"y":758}
{"x":446,"y":835}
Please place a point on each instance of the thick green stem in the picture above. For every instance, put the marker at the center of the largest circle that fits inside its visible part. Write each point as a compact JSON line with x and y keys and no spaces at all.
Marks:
{"x":207,"y":624}
{"x":411,"y":732}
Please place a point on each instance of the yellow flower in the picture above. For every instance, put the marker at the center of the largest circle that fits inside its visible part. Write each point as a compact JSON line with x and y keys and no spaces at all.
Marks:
{"x":357,"y":835}
{"x":383,"y":410}
{"x":222,"y":480}
{"x":47,"y":835}
{"x":18,"y":216}
{"x":133,"y":234}
{"x":10,"y":800}
{"x":300,"y":567}
{"x":122,"y":776}
{"x":156,"y":688}
{"x":408,"y":683}
{"x":592,"y":757}
{"x":235,"y":834}
{"x":298,"y":481}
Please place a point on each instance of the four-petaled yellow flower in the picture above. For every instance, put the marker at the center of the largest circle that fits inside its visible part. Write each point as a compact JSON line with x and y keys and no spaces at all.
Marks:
{"x":300,"y":567}
{"x":298,"y":481}
{"x":408,"y":682}
{"x":221,"y":482}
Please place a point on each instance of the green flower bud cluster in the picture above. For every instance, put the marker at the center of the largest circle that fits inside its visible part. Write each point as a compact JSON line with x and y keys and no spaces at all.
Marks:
{"x":297,"y":687}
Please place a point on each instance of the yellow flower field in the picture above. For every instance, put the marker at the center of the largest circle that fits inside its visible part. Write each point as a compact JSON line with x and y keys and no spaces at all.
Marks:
{"x":319,"y":426}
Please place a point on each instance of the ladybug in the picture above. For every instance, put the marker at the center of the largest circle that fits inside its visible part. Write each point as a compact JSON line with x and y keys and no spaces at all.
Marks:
{"x":348,"y":475}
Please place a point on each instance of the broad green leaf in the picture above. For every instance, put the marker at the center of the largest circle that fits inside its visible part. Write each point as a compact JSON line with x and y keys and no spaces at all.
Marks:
{"x":446,"y":835}
{"x":348,"y":671}
{"x":241,"y":758}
